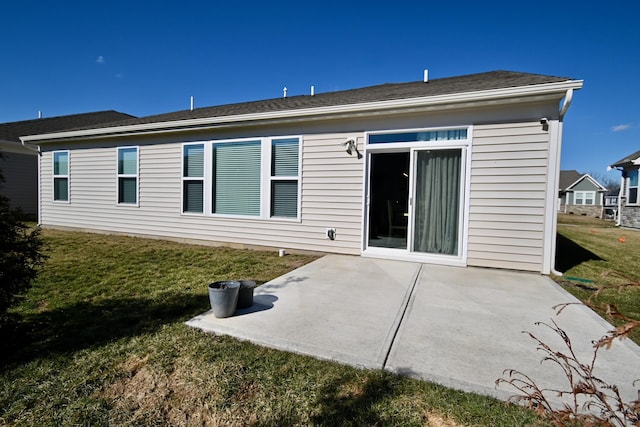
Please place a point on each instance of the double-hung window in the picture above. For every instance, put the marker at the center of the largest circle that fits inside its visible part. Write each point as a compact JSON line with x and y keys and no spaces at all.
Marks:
{"x":632,"y":188}
{"x":128,"y":175}
{"x":237,"y":178}
{"x":61,"y":176}
{"x":584,"y":197}
{"x":193,"y":178}
{"x":284,"y":177}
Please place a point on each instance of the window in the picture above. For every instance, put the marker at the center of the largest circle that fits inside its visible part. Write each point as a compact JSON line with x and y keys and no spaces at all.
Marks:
{"x":284,"y":177}
{"x":128,"y":175}
{"x":61,"y":176}
{"x":632,"y":198}
{"x":236,"y":178}
{"x":423,"y":136}
{"x":193,"y":178}
{"x":584,"y":198}
{"x":252,"y":178}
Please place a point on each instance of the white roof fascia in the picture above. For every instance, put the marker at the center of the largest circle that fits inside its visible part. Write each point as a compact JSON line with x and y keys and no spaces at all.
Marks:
{"x":492,"y":95}
{"x":17,"y":148}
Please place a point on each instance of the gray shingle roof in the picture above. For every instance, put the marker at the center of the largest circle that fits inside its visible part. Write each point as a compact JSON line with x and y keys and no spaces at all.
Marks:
{"x":627,"y":160}
{"x":12,"y":131}
{"x":383,"y":92}
{"x":567,"y":178}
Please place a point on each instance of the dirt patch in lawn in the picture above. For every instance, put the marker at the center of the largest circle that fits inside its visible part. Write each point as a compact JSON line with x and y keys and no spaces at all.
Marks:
{"x":146,"y":394}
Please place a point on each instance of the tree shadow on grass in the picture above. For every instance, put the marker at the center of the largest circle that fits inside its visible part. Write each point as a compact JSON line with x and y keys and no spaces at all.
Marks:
{"x":569,"y":254}
{"x":86,"y":324}
{"x":341,"y":404}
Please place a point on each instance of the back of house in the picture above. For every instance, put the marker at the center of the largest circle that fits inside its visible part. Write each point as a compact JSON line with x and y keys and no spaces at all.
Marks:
{"x":458,"y":171}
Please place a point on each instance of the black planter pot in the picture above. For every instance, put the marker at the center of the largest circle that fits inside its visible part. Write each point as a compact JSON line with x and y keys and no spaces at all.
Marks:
{"x":245,"y":295}
{"x":223,"y":297}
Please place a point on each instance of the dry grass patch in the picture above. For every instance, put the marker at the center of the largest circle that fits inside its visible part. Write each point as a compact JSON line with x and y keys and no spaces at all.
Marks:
{"x":437,"y":420}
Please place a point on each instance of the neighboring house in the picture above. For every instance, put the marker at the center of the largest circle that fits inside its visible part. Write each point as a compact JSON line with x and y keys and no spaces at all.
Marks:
{"x":628,"y":201}
{"x":19,"y":164}
{"x":581,"y":194}
{"x":459,"y":171}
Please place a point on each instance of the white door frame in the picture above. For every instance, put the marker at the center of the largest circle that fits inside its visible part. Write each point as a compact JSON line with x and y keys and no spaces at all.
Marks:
{"x":413,"y":147}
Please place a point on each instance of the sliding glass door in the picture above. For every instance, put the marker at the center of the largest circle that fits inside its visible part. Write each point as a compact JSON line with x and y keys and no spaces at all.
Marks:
{"x":415,"y":201}
{"x":389,"y":200}
{"x":436,"y":214}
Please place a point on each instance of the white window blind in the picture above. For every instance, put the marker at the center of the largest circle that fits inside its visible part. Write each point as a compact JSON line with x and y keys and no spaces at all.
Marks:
{"x":193,"y":179}
{"x":284,"y":177}
{"x":236,"y":178}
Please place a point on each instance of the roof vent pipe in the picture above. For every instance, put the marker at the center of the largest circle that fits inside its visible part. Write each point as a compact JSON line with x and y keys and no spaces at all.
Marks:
{"x":284,"y":91}
{"x":192,"y":103}
{"x":313,"y":90}
{"x":426,"y":76}
{"x":39,"y":114}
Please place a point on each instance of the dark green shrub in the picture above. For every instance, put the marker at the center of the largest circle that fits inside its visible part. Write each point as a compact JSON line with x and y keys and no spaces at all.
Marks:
{"x":20,"y":257}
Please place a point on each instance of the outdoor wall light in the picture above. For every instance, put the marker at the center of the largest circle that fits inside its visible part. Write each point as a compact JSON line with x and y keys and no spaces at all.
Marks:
{"x":545,"y":124}
{"x":350,"y":146}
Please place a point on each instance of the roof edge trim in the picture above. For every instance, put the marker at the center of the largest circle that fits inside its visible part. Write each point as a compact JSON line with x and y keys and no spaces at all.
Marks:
{"x":486,"y":95}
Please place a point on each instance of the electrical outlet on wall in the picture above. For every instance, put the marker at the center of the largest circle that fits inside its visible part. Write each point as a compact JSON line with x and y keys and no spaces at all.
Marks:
{"x":330,"y":233}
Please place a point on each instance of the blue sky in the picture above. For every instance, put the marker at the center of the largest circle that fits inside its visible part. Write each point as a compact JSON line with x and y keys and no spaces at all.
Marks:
{"x":149,"y":57}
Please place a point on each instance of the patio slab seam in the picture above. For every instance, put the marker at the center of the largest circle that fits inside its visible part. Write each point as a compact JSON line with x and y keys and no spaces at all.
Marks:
{"x":404,"y":309}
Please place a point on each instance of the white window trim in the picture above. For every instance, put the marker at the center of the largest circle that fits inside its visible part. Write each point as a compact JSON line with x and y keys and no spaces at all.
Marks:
{"x":54,"y":176}
{"x":268,"y":179}
{"x":466,"y":146}
{"x":584,"y":197}
{"x":124,"y":175}
{"x":628,"y":190}
{"x":203,"y":178}
{"x":209,"y":175}
{"x":265,"y":179}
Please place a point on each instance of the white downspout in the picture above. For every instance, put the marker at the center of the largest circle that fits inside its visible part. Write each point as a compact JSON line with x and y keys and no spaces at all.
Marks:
{"x":31,"y":147}
{"x":558,"y":145}
{"x":618,"y":221}
{"x":567,"y":103}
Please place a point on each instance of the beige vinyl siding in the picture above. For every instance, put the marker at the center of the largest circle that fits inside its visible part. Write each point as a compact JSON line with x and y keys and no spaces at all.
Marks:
{"x":332,"y":185}
{"x":331,"y":197}
{"x":507,"y":196}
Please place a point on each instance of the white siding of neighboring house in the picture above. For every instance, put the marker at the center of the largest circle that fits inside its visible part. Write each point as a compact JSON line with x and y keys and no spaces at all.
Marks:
{"x":507,"y":196}
{"x":331,"y":198}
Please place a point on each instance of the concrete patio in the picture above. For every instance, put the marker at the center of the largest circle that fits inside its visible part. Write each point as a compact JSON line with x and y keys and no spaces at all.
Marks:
{"x":459,"y":327}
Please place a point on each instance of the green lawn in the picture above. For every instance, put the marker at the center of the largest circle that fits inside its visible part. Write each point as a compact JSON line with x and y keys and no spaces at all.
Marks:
{"x":101,"y":340}
{"x":593,"y":254}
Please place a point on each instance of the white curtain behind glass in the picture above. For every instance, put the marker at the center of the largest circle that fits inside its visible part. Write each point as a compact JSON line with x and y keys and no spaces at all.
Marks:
{"x":437,"y":201}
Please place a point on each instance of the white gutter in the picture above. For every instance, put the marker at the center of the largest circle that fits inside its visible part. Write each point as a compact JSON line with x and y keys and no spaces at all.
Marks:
{"x":486,"y":96}
{"x":557,"y":146}
{"x":35,"y":149}
{"x":17,"y":148}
